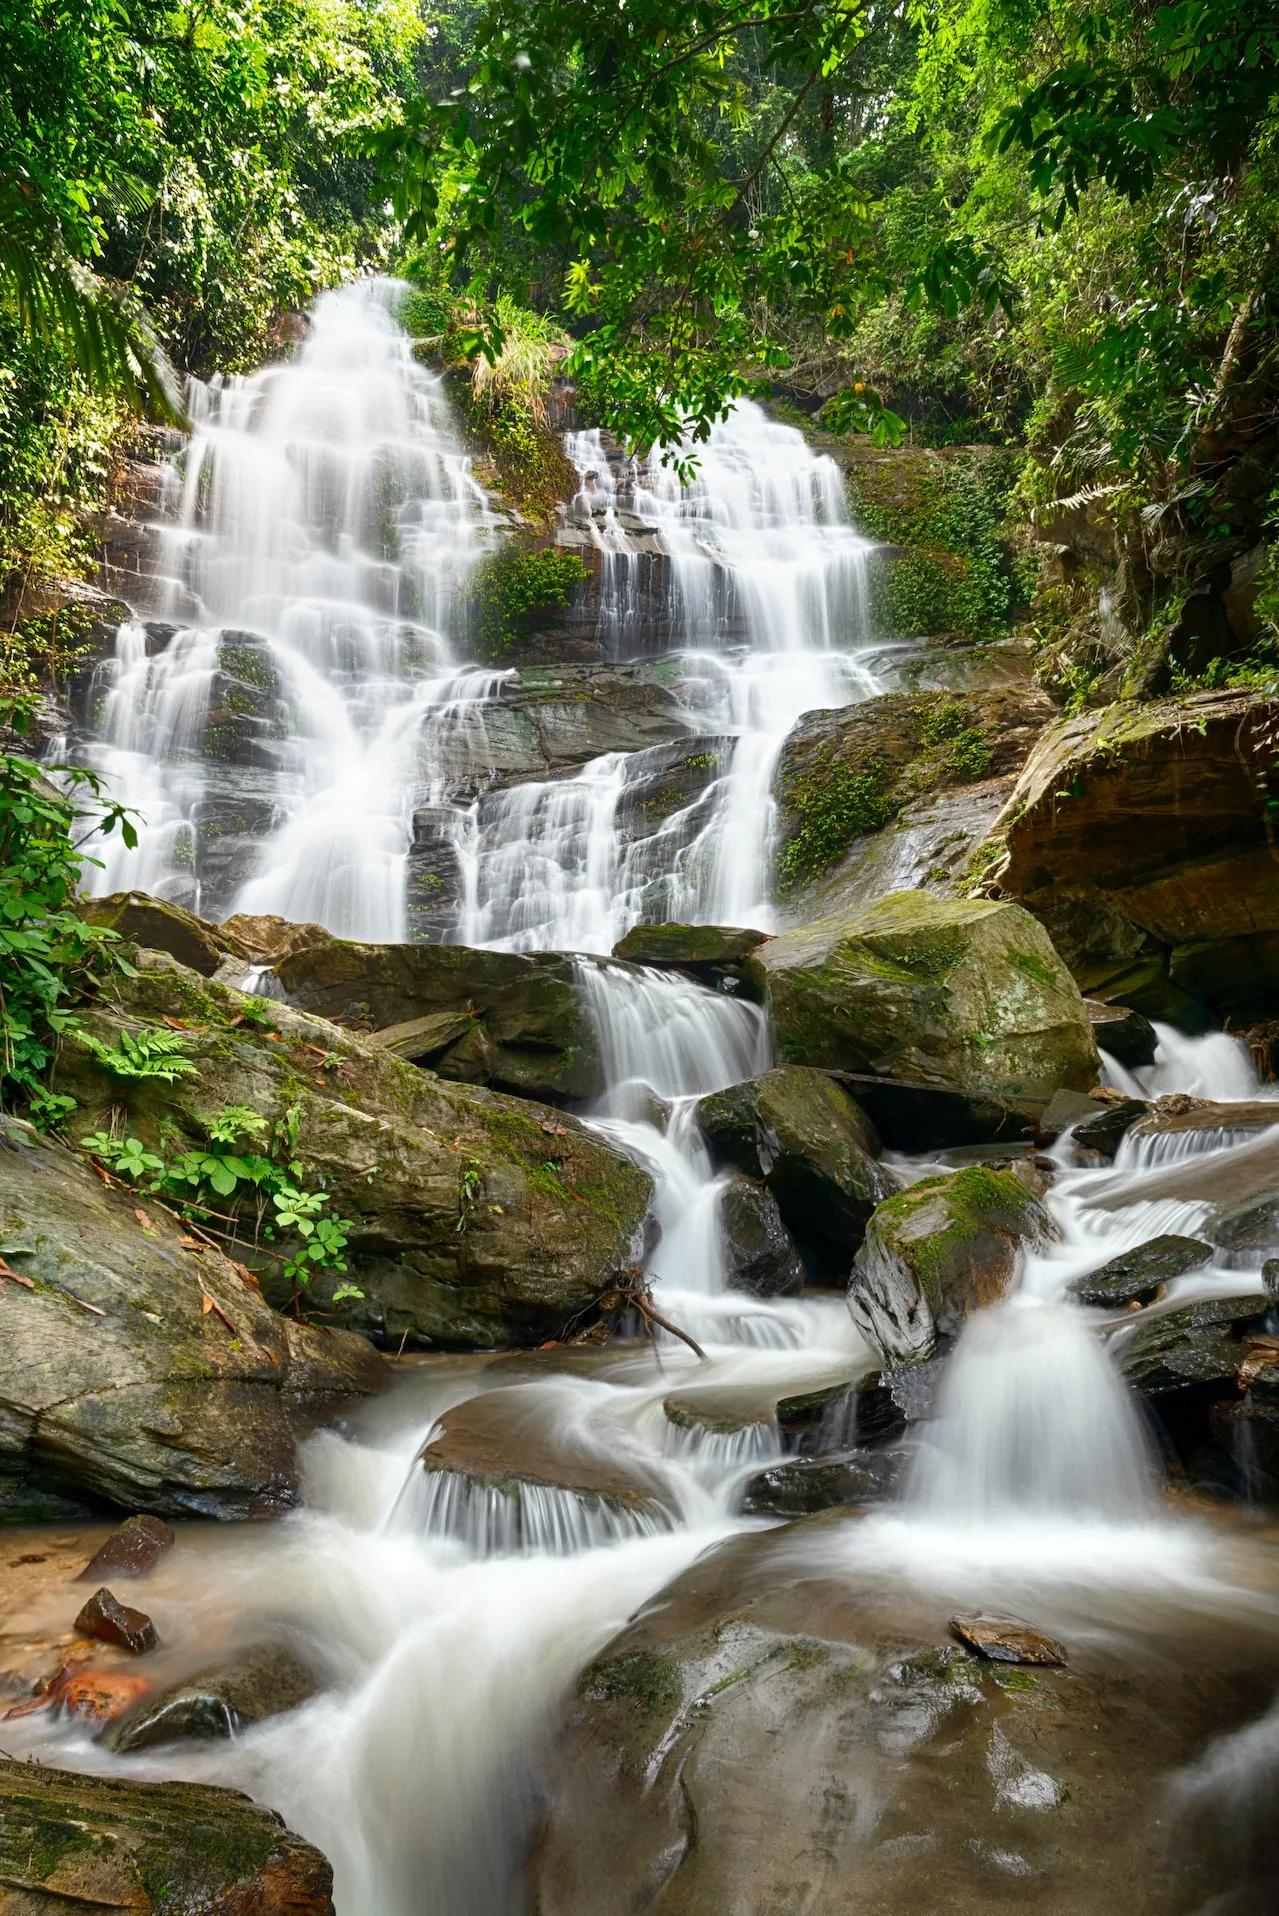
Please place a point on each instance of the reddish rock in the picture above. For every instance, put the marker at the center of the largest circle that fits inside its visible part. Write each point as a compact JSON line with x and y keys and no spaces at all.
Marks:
{"x":99,"y":1695}
{"x":1005,"y":1640}
{"x":136,"y":1547}
{"x":110,"y":1621}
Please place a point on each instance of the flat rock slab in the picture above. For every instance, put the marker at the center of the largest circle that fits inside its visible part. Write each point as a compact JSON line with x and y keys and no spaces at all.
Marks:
{"x":71,"y":1842}
{"x":1005,"y":1640}
{"x":1171,"y":1115}
{"x":1135,"y":1276}
{"x":508,"y":1437}
{"x":132,"y":1549}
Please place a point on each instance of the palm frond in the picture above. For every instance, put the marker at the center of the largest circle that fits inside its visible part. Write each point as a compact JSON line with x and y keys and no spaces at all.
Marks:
{"x":102,"y":327}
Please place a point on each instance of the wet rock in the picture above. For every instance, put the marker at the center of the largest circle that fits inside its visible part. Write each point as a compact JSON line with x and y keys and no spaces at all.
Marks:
{"x":1270,"y":1277}
{"x":1227,"y":1180}
{"x":531,"y":1031}
{"x":1171,"y":1116}
{"x":265,"y":938}
{"x":1202,"y":1343}
{"x":844,"y":776}
{"x":924,"y":1117}
{"x":1065,"y":1110}
{"x":1123,"y":1034}
{"x":1249,"y":1233}
{"x":1005,"y":1640}
{"x":803,"y":1485}
{"x":1135,"y":1276}
{"x":260,"y":1682}
{"x":97,"y":1696}
{"x":476,"y":1220}
{"x":807,"y":1139}
{"x":782,"y":1729}
{"x":1106,"y":1132}
{"x":709,"y":953}
{"x":721,"y":1410}
{"x":73,"y":1842}
{"x":115,"y":1383}
{"x":162,"y":926}
{"x":111,"y":1621}
{"x":759,"y":1252}
{"x":963,"y":993}
{"x":1155,"y":879}
{"x":939,"y":1250}
{"x":419,"y":1039}
{"x":133,"y":1548}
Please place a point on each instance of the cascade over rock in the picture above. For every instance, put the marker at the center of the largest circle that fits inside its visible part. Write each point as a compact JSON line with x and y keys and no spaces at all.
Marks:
{"x":942,"y":1248}
{"x":803,"y":1134}
{"x":476,"y":1219}
{"x":117,"y":1386}
{"x":1139,"y":836}
{"x":963,"y":993}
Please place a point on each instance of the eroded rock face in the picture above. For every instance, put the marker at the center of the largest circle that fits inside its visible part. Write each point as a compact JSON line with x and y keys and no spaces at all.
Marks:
{"x":941,"y":1249}
{"x":772,"y":1732}
{"x":116,"y":1385}
{"x":531,"y":1033}
{"x":965,"y":993}
{"x":809,"y":1141}
{"x":846,"y":777}
{"x":1154,"y":874}
{"x":476,"y":1220}
{"x":173,"y":1849}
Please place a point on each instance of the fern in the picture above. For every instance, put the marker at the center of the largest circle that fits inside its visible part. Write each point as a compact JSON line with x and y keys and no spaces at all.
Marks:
{"x":152,"y":1054}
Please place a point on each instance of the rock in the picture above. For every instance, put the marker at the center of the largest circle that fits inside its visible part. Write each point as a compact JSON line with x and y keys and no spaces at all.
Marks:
{"x":263,"y":1681}
{"x":1249,"y":1234}
{"x":98,"y":1696}
{"x":785,"y":1727}
{"x":803,"y":1485}
{"x":133,"y":1548}
{"x":1226,"y":1179}
{"x":721,"y":1410}
{"x":709,"y":953}
{"x":264,"y":939}
{"x":1135,"y":1276}
{"x":1106,"y":1132}
{"x":1270,"y":1277}
{"x":162,"y":926}
{"x":759,"y":1252}
{"x":1005,"y":1640}
{"x":1157,"y":866}
{"x":72,"y":1842}
{"x":1177,"y":1114}
{"x":1200,"y":1343}
{"x":530,"y":1032}
{"x":421,"y":1038}
{"x":842,"y":776}
{"x":476,"y":1220}
{"x":116,"y":1385}
{"x":806,"y":1138}
{"x":1123,"y":1034}
{"x":662,"y":787}
{"x":963,"y":993}
{"x":925,"y":1117}
{"x":500,"y":1474}
{"x":942,"y":1248}
{"x":111,"y":1621}
{"x":1065,"y":1110}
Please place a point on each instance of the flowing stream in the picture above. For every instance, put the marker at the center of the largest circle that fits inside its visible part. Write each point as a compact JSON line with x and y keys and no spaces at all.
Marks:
{"x":326,"y":524}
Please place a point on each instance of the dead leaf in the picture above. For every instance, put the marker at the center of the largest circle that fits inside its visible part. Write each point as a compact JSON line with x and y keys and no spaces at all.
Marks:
{"x":206,"y":1303}
{"x":143,"y":1219}
{"x":554,"y":1130}
{"x":7,"y":1270}
{"x":1260,"y":1357}
{"x":243,"y":1272}
{"x":193,"y":1244}
{"x":94,"y":1166}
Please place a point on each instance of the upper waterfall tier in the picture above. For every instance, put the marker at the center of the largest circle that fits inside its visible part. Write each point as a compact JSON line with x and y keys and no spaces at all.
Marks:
{"x":292,"y":729}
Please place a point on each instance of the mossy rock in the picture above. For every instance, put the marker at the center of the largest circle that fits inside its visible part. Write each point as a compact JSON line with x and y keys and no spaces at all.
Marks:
{"x":162,"y":926}
{"x":937,"y":1251}
{"x":964,"y":993}
{"x":72,"y":1842}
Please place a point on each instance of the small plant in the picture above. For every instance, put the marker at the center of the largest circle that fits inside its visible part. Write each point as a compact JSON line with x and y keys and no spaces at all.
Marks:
{"x":467,"y":1190}
{"x":151,"y":1054}
{"x":126,"y":1157}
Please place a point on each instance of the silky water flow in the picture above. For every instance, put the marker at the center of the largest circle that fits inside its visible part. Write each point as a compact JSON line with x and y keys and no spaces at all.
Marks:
{"x":327,"y":525}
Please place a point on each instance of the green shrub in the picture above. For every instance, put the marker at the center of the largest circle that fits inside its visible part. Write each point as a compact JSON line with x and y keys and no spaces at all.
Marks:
{"x":513,"y":587}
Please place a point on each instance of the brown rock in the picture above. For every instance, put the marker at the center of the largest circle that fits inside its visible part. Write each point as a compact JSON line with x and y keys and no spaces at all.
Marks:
{"x":265,"y":939}
{"x":100,"y":1696}
{"x":160,"y":926}
{"x":131,"y":1550}
{"x":1005,"y":1640}
{"x":111,"y":1621}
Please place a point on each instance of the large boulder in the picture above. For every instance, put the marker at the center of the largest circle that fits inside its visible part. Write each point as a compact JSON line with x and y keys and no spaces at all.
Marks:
{"x":531,"y":1029}
{"x":164,"y":926}
{"x":801,"y":1132}
{"x":854,"y":787}
{"x":782,"y":1728}
{"x":476,"y":1220}
{"x":139,"y":1369}
{"x":713,"y":954}
{"x":1140,"y":836}
{"x":965,"y":993}
{"x":941,"y":1249}
{"x":79,"y":1843}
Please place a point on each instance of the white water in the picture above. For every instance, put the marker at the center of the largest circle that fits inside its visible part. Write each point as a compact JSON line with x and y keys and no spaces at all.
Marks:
{"x":451,"y":1619}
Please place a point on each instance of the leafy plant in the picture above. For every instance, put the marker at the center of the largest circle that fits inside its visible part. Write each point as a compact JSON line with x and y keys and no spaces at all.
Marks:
{"x":148,"y":1054}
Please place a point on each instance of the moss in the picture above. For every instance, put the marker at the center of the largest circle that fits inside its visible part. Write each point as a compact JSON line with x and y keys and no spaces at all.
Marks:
{"x":647,"y":1678}
{"x":835,"y":804}
{"x":512,"y":588}
{"x":805,"y":1653}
